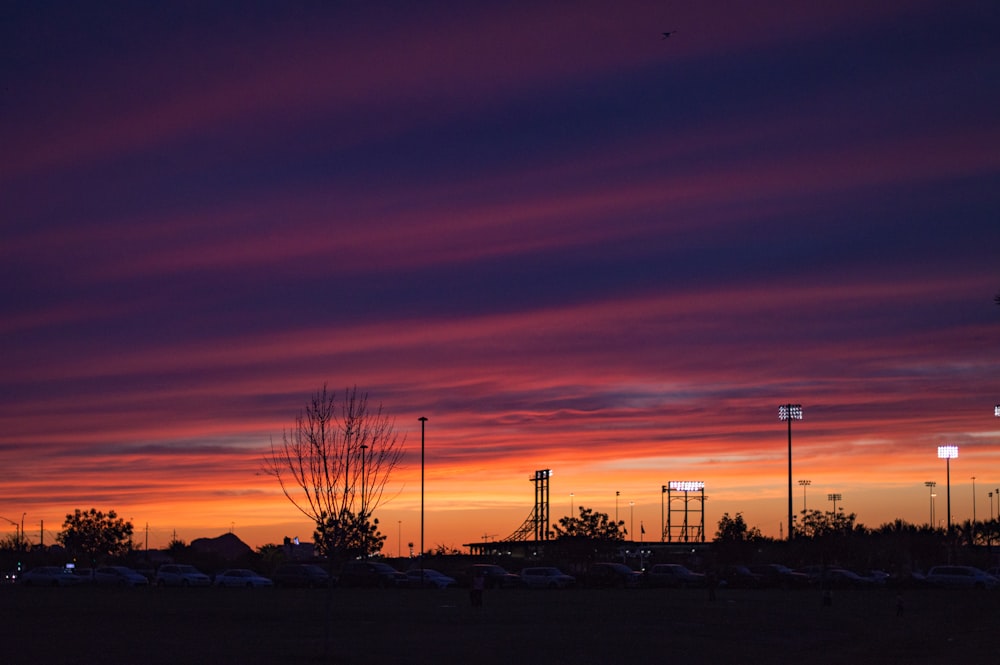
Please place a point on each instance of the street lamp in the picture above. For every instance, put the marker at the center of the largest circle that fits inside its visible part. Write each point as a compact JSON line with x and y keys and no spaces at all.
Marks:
{"x":423,"y":423}
{"x":631,"y":519}
{"x":804,"y":484}
{"x":790,"y":412}
{"x":571,"y":495}
{"x":973,"y":504}
{"x":931,"y":485}
{"x":948,"y":453}
{"x":835,"y":498}
{"x":663,"y":490}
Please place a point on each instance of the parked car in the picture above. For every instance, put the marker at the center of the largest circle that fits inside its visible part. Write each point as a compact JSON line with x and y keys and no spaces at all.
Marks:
{"x":119,"y":576}
{"x":86,"y":575}
{"x":739,"y":577}
{"x":961,"y":577}
{"x":608,"y":574}
{"x":50,"y":576}
{"x":496,"y":577}
{"x":776,"y":575}
{"x":241,"y":577}
{"x":841,"y":578}
{"x":177,"y":574}
{"x":673,"y":575}
{"x":306,"y":575}
{"x":371,"y":574}
{"x":426,"y":578}
{"x":546,"y":577}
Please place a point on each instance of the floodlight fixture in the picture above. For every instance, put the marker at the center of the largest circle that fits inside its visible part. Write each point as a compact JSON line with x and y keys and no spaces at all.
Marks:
{"x":835,"y":498}
{"x":996,"y":411}
{"x":947,"y":452}
{"x":687,"y":485}
{"x":790,"y":412}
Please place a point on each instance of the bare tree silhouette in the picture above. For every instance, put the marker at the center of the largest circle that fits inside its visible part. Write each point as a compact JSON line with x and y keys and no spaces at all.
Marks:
{"x":333,"y":465}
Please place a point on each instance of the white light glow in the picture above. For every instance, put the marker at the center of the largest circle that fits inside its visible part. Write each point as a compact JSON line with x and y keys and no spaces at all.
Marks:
{"x":790,"y":412}
{"x":947,"y":452}
{"x":687,"y":485}
{"x":996,"y":411}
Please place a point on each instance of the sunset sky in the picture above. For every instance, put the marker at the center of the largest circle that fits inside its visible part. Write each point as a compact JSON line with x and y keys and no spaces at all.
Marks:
{"x":568,"y":242}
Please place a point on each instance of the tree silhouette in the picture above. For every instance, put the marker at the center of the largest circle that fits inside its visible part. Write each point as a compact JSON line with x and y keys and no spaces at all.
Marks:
{"x":734,"y":539}
{"x":95,"y":535}
{"x":333,"y":465}
{"x":591,"y":525}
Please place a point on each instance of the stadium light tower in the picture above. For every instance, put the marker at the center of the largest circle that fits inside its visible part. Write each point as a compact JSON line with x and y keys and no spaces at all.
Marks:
{"x":948,"y":453}
{"x":790,"y":412}
{"x":930,"y":484}
{"x":804,"y":484}
{"x":835,"y":498}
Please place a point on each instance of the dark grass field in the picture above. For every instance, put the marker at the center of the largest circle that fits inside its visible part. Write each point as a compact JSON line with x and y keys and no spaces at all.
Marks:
{"x":284,"y":626}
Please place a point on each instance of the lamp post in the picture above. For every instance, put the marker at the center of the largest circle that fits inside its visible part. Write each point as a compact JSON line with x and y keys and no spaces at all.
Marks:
{"x":804,"y":484}
{"x":948,"y":453}
{"x":631,"y":519}
{"x":835,"y":498}
{"x":790,"y":412}
{"x":571,"y":495}
{"x":990,"y":494}
{"x":617,"y":494}
{"x":663,"y":490}
{"x":931,"y":485}
{"x":973,"y":503}
{"x":423,"y":423}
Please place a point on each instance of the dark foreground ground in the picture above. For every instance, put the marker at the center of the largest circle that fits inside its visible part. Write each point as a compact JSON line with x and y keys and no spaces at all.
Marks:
{"x":284,"y":626}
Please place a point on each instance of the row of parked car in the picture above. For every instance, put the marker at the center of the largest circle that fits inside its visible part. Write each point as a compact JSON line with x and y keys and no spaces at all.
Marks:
{"x":123,"y":576}
{"x":605,"y":574}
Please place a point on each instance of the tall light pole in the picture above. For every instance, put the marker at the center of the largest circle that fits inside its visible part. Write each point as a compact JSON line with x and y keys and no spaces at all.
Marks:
{"x":948,"y":453}
{"x":804,"y":484}
{"x":571,"y":495}
{"x":931,"y":485}
{"x":790,"y":412}
{"x":663,"y":527}
{"x":423,"y":423}
{"x":973,"y":503}
{"x":617,"y":494}
{"x":835,"y":498}
{"x":631,"y":519}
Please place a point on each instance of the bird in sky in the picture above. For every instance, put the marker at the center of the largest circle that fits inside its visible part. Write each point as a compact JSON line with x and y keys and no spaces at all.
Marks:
{"x":667,"y":34}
